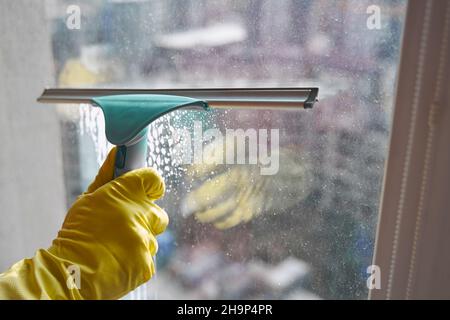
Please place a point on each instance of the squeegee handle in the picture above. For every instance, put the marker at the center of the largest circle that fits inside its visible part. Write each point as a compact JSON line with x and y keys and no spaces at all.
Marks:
{"x":132,"y":155}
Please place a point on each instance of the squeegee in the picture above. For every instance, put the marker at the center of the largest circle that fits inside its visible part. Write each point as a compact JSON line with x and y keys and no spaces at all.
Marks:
{"x":128,"y":112}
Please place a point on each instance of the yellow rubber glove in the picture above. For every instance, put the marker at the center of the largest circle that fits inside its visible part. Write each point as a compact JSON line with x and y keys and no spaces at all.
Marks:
{"x":109,"y":234}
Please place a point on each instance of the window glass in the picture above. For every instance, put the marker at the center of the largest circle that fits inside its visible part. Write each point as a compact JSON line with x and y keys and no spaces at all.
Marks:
{"x":298,"y":224}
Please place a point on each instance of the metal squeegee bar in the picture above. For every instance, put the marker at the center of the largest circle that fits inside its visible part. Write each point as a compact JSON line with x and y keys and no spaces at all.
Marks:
{"x":229,"y":98}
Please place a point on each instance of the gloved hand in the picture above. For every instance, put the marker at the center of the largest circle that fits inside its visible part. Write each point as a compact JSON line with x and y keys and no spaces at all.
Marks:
{"x":109,"y":234}
{"x":228,"y":195}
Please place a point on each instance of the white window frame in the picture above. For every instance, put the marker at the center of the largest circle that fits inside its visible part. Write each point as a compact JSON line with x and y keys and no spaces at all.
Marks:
{"x":414,"y":222}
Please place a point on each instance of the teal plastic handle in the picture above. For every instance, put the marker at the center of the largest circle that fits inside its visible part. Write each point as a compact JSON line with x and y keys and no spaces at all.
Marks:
{"x":127,"y":118}
{"x":131,"y":156}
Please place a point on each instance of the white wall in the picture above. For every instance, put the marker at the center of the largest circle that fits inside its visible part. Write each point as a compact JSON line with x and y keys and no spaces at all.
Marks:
{"x":31,"y":176}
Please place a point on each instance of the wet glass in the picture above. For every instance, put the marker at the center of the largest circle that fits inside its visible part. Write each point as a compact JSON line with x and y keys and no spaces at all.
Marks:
{"x":303,"y":230}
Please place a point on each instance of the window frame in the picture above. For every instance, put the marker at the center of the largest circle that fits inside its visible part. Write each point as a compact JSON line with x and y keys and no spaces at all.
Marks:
{"x":413,"y":219}
{"x":399,"y":245}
